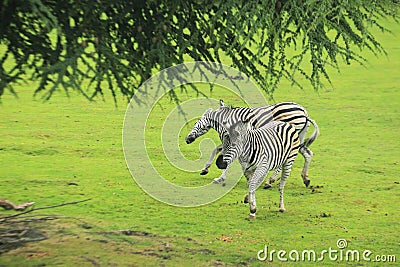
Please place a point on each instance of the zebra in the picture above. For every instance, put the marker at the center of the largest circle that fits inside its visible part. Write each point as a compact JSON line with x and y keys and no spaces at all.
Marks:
{"x":273,"y":146}
{"x":286,"y":111}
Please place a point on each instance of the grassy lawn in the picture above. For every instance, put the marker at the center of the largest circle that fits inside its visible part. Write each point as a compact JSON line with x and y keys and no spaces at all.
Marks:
{"x":67,"y":149}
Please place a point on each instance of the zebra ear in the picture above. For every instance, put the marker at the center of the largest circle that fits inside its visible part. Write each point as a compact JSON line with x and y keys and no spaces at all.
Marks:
{"x":221,"y":103}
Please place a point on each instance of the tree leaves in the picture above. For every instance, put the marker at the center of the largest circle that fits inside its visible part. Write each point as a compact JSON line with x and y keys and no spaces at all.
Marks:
{"x":117,"y":45}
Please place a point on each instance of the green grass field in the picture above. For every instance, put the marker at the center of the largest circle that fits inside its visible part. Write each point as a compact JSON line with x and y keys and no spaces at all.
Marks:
{"x":68,"y":149}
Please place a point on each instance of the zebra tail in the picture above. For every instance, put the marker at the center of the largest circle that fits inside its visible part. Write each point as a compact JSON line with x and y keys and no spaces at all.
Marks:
{"x":314,"y":135}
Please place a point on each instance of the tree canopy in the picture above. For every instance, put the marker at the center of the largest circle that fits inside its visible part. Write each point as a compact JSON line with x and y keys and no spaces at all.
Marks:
{"x":117,"y":44}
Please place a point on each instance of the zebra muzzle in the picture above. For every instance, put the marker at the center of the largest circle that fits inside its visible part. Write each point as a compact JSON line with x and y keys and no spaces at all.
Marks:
{"x":221,"y":164}
{"x":189,"y":139}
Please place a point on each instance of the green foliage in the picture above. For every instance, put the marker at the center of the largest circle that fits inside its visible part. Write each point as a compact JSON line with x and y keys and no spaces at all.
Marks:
{"x":119,"y":44}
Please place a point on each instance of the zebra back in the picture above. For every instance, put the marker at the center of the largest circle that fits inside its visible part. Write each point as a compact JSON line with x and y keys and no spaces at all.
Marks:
{"x":289,"y":112}
{"x":286,"y":111}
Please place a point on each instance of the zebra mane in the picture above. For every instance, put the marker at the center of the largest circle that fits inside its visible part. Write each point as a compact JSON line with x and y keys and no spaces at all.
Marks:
{"x":225,"y":106}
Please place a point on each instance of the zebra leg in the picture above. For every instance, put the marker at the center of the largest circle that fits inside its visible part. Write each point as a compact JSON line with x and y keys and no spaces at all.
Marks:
{"x":248,"y":175}
{"x":307,"y":154}
{"x":253,"y":184}
{"x":222,"y":178}
{"x":217,"y":150}
{"x":272,"y":179}
{"x":287,"y":168}
{"x":253,"y":205}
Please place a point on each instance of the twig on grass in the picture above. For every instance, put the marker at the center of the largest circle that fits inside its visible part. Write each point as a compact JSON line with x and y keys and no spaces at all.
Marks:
{"x":42,"y":208}
{"x":8,"y":205}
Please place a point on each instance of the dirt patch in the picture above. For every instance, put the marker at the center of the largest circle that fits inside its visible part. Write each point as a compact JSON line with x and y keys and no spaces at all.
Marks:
{"x":14,"y":235}
{"x":18,"y":229}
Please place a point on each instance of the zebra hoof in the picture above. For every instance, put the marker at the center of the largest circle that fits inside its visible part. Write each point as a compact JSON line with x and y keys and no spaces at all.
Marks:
{"x":221,"y":164}
{"x":252,"y":216}
{"x":307,"y":183}
{"x":267,"y":186}
{"x":218,"y":181}
{"x":246,"y":199}
{"x":282,"y":209}
{"x":204,"y":172}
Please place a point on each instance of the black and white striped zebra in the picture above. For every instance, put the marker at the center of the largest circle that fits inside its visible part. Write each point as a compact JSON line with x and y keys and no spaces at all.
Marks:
{"x":287,"y":112}
{"x":273,"y":146}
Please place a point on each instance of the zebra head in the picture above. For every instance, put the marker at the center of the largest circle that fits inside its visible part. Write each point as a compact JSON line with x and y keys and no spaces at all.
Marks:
{"x":210,"y":119}
{"x":236,"y":133}
{"x":201,"y":126}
